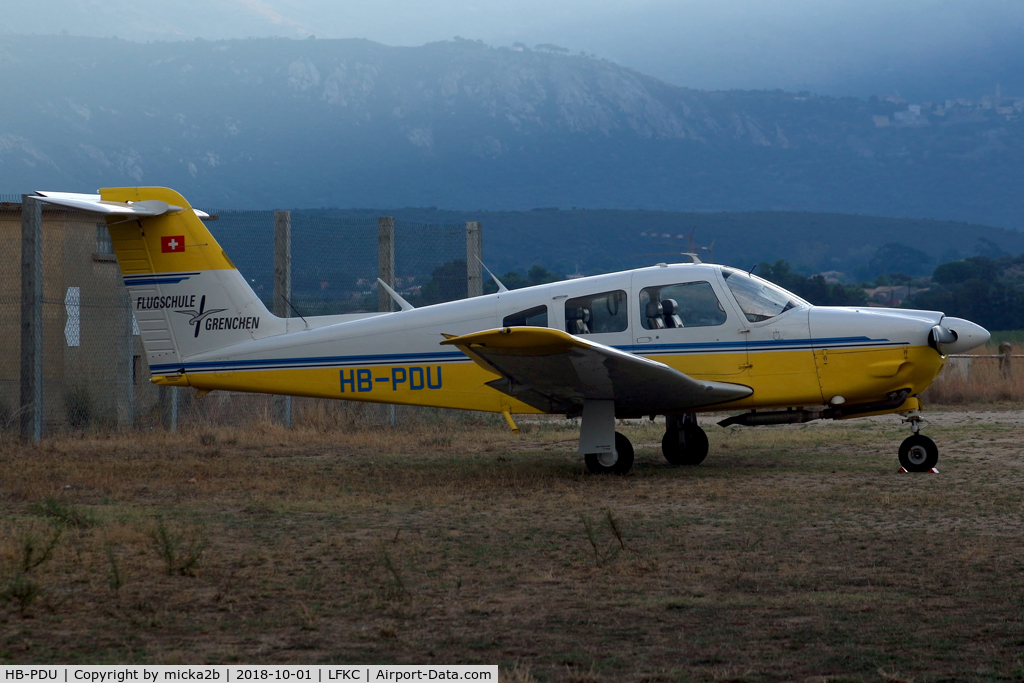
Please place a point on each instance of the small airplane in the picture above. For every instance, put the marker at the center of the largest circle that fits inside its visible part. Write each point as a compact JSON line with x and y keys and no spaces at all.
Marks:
{"x":670,"y":340}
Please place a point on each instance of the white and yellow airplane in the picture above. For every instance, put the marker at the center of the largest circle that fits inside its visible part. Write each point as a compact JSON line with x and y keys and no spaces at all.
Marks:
{"x":668,"y":340}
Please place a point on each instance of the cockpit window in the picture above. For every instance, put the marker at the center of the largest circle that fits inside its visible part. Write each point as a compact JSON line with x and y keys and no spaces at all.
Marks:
{"x":596,"y":313}
{"x":759,"y":299}
{"x":533,"y":317}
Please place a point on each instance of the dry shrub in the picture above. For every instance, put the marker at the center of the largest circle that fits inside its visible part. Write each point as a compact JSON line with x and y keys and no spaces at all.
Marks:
{"x":982,"y":382}
{"x":893,"y":676}
{"x":519,"y":673}
{"x":25,"y":549}
{"x":180,"y":550}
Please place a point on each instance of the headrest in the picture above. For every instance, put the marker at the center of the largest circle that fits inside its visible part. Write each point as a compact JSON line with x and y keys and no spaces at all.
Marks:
{"x":654,"y":309}
{"x":574,"y":313}
{"x":670,"y":306}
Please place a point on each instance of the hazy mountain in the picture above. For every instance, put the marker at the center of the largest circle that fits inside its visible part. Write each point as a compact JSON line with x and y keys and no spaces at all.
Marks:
{"x":278,"y":123}
{"x":921,"y":49}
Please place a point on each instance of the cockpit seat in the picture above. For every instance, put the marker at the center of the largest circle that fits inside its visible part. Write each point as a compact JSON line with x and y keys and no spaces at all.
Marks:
{"x":576,"y":320}
{"x":671,"y":309}
{"x":655,"y":316}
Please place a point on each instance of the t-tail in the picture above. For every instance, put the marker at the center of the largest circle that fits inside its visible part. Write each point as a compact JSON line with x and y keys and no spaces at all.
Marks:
{"x":187,"y":295}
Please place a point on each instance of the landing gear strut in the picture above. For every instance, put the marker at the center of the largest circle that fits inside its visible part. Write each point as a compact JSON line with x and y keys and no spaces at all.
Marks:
{"x":918,"y":453}
{"x":618,"y":461}
{"x":684,"y":443}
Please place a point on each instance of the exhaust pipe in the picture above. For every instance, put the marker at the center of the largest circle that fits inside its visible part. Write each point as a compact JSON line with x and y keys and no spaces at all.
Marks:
{"x":774,"y":417}
{"x":894,"y":399}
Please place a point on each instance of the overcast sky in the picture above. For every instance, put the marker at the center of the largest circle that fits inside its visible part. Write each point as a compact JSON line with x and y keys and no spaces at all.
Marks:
{"x":918,"y":48}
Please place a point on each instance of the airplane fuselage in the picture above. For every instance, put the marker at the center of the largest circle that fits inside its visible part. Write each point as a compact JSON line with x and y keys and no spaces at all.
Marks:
{"x":805,"y":355}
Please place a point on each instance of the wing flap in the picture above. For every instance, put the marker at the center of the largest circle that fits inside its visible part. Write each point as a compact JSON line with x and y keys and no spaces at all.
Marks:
{"x":556,"y":371}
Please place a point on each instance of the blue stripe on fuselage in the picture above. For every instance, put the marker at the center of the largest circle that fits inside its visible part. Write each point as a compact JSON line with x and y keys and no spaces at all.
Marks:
{"x":457,"y":357}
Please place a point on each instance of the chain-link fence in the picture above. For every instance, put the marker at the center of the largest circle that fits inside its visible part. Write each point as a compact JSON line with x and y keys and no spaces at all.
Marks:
{"x":334,"y":264}
{"x":93,"y":364}
{"x":94,"y":369}
{"x":431,"y":261}
{"x":10,"y":312}
{"x":335,"y":261}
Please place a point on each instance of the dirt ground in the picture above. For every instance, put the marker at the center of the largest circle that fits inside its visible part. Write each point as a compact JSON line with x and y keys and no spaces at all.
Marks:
{"x":792,"y":553}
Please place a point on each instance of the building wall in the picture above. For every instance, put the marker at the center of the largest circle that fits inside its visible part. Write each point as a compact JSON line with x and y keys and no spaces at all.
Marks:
{"x":94,"y":376}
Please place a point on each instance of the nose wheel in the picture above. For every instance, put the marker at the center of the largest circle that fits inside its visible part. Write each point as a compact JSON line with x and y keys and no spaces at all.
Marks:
{"x":918,"y":453}
{"x":684,"y":443}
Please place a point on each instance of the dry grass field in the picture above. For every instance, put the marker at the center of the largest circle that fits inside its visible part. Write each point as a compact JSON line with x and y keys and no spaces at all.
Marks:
{"x":793,"y":553}
{"x":977,"y":380}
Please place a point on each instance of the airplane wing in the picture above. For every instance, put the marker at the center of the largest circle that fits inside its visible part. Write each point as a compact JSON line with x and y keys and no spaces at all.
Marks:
{"x":555,"y":372}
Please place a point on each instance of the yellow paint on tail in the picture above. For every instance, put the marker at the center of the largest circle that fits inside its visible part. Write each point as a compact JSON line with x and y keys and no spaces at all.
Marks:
{"x":137,"y":242}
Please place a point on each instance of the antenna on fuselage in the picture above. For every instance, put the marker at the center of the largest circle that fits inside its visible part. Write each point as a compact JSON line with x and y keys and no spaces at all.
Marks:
{"x":402,"y":303}
{"x":752,"y":268}
{"x":501,"y":287}
{"x":292,"y":306}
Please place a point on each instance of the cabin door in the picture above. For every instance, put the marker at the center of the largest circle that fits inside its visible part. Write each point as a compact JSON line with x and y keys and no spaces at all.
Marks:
{"x":688,"y":323}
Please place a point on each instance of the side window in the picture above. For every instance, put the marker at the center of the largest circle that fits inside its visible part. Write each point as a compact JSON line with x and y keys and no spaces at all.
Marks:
{"x":532,"y":317}
{"x":596,"y":313}
{"x":691,"y":304}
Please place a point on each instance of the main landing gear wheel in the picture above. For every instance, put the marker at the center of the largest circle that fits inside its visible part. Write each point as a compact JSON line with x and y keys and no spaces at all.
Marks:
{"x":617,"y":462}
{"x":918,"y":453}
{"x":684,"y":444}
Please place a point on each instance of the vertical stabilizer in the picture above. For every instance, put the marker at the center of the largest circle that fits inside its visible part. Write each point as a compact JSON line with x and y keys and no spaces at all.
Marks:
{"x":186,"y":294}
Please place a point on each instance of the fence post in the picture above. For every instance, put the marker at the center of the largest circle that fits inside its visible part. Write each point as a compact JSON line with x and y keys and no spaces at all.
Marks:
{"x":174,"y":410}
{"x":168,"y":401}
{"x":124,"y":376}
{"x":1006,"y":360}
{"x":282,"y":291}
{"x":474,"y":256}
{"x":386,"y":272}
{"x":385,"y":261}
{"x":31,"y":319}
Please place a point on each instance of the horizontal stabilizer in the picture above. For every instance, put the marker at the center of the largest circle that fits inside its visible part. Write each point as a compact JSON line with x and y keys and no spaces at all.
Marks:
{"x":92,"y":203}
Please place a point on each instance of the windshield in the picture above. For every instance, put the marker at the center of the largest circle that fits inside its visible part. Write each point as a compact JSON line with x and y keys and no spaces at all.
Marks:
{"x":759,"y":299}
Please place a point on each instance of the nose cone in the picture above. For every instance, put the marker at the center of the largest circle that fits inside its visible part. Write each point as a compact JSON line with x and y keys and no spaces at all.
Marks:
{"x":968,"y":335}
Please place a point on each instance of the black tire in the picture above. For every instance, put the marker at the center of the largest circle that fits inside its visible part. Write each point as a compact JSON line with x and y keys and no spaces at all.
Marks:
{"x":687,"y":445}
{"x":618,"y":462}
{"x":918,"y":453}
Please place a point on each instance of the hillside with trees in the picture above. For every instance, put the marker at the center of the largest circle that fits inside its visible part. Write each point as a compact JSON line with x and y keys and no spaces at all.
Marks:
{"x":590,"y":241}
{"x":987,"y":291}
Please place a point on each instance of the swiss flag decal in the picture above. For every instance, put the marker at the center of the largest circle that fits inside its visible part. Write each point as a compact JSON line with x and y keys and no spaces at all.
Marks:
{"x":172,"y":244}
